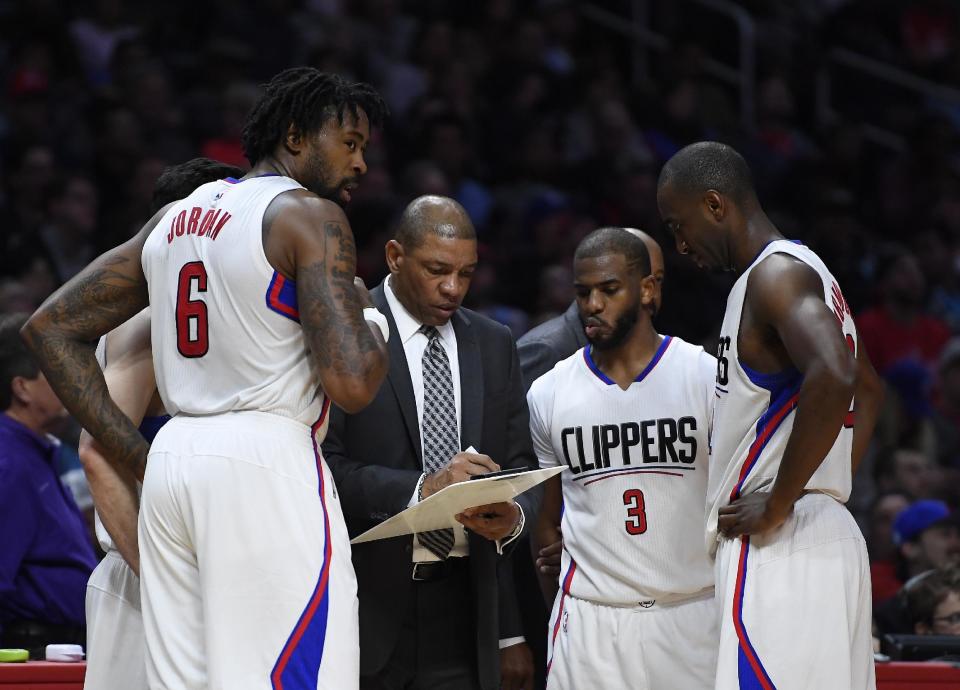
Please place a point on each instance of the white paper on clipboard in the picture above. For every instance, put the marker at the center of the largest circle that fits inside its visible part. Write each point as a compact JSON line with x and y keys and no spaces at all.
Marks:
{"x":437,"y":511}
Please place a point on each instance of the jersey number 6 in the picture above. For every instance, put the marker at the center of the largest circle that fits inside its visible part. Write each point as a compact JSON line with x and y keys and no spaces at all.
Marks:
{"x":192,"y":337}
{"x":636,"y":511}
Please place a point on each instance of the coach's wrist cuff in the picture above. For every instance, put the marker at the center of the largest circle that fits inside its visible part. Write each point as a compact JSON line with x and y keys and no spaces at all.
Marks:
{"x":374,"y":316}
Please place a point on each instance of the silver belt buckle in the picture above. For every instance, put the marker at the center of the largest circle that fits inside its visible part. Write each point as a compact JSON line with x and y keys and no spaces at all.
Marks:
{"x":416,"y":568}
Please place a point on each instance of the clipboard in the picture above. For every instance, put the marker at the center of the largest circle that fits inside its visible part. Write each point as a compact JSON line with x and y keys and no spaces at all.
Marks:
{"x":437,"y":511}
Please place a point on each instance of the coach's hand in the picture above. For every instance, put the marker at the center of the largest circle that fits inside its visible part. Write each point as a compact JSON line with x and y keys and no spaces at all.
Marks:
{"x":516,"y":667}
{"x":548,"y":558}
{"x":461,"y":467}
{"x":493,"y":521}
{"x":751,"y":514}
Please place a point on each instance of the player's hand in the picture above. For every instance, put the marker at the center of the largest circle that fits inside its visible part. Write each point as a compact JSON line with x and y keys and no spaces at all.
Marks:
{"x":461,"y":467}
{"x":362,"y":292}
{"x":548,"y":559}
{"x":516,"y":667}
{"x":751,"y":514}
{"x":493,"y":521}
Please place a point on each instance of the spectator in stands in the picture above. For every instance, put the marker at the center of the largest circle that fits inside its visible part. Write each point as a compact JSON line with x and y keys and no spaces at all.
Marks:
{"x":46,"y":555}
{"x":908,"y":470}
{"x":883,"y":571}
{"x":933,"y":602}
{"x":927,"y":536}
{"x":73,"y":217}
{"x":898,"y":330}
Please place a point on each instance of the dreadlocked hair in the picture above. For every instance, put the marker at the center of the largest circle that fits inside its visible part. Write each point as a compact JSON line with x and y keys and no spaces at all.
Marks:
{"x":305,"y":97}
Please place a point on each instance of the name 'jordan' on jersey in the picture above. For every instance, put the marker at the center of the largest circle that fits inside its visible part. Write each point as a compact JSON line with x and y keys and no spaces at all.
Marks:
{"x":753,"y":411}
{"x":633,"y":498}
{"x":223,"y":342}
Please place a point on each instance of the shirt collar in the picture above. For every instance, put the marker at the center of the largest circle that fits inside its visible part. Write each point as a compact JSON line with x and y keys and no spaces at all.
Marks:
{"x":13,"y":426}
{"x":407,"y":325}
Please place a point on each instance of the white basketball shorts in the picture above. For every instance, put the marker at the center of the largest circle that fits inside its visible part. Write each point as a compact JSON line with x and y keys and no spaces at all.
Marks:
{"x":246,"y":575}
{"x":632,"y":648}
{"x":115,"y":649}
{"x":795,"y":604}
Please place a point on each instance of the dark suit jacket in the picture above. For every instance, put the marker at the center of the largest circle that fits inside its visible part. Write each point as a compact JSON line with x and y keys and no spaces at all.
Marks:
{"x":376,"y":460}
{"x":550,"y":342}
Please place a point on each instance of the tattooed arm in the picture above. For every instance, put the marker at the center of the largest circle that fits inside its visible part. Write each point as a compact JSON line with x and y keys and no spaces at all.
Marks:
{"x":63,"y":333}
{"x":309,"y":239}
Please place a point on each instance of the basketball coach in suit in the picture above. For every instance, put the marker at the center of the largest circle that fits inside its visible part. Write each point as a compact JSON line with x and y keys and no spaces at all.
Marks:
{"x":429,"y":602}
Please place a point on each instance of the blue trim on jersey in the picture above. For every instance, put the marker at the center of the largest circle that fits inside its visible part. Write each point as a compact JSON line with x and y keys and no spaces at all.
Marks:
{"x":657,"y":356}
{"x":774,"y":382}
{"x":782,"y":402}
{"x":282,"y":297}
{"x":594,"y":368}
{"x":150,"y":426}
{"x":764,"y":248}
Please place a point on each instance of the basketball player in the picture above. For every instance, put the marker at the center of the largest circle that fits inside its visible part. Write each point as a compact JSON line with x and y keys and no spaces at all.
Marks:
{"x":629,"y":416}
{"x":256,"y":327}
{"x":796,"y":404}
{"x":115,"y":645}
{"x":542,"y":347}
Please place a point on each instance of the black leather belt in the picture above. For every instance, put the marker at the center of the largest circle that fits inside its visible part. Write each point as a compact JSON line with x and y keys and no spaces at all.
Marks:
{"x":436,"y":570}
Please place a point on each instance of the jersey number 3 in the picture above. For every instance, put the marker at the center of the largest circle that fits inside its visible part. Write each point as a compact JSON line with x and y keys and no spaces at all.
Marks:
{"x":636,"y":512}
{"x":192,"y":329}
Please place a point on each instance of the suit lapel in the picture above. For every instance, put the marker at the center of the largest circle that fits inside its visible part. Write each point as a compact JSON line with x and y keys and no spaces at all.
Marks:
{"x":471,"y":383}
{"x":571,"y":318}
{"x":399,"y":374}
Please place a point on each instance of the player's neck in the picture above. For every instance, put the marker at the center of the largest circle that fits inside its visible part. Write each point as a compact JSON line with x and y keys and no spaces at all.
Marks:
{"x":760,"y":231}
{"x":624,"y":363}
{"x":270,"y":165}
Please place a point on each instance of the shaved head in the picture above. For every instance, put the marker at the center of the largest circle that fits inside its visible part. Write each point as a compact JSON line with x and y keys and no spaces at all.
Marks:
{"x":707,"y":165}
{"x":437,"y":215}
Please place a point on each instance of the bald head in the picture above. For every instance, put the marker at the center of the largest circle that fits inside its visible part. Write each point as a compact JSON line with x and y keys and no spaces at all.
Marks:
{"x":653,"y":249}
{"x":437,"y":215}
{"x":706,"y":165}
{"x":656,"y":266}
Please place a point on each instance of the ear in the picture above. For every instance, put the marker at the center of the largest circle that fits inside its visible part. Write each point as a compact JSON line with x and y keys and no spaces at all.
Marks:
{"x":19,"y":390}
{"x":715,"y":205}
{"x":395,"y":255}
{"x":293,"y":141}
{"x":648,"y":290}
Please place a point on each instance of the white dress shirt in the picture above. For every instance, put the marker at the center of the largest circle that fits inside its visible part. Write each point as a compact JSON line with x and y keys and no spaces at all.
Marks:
{"x":414,"y":345}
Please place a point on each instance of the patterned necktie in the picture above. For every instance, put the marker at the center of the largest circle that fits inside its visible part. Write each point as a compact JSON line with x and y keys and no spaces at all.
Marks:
{"x":441,"y":437}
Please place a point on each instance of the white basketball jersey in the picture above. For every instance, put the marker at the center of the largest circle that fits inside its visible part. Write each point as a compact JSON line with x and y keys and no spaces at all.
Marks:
{"x":753,"y":414}
{"x":225,"y":327}
{"x":634,"y":495}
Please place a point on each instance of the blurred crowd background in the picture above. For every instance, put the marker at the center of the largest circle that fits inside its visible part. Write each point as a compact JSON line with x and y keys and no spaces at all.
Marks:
{"x":546,"y":119}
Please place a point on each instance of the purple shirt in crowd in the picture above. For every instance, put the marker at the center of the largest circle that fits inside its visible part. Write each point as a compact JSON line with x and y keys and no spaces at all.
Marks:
{"x":45,"y":554}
